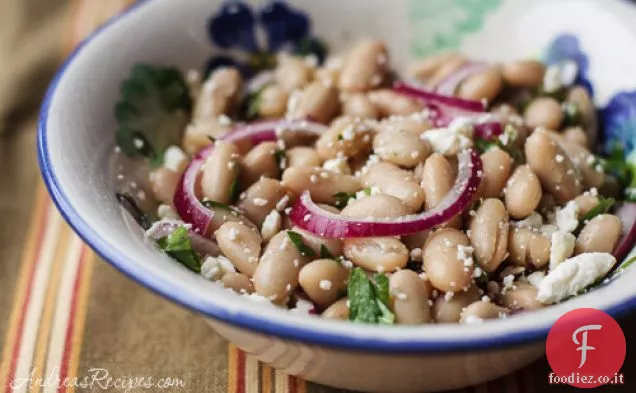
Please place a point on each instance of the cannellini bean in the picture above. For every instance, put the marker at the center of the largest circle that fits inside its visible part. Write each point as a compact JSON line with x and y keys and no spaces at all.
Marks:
{"x":379,"y":254}
{"x":523,"y":73}
{"x":359,"y":105}
{"x":600,"y":234}
{"x":489,"y":234}
{"x":339,"y":310}
{"x":529,"y":248}
{"x":396,"y":182}
{"x":260,"y":162}
{"x":445,"y":269}
{"x":410,"y":295}
{"x":220,"y":94}
{"x":293,"y":73}
{"x":346,"y":137}
{"x":437,"y":178}
{"x":365,"y":67}
{"x":523,"y":192}
{"x":163,"y":182}
{"x":302,"y":156}
{"x":482,"y":85}
{"x":272,"y":102}
{"x":323,"y":280}
{"x":522,"y":296}
{"x":327,"y":76}
{"x":448,"y":310}
{"x":276,"y":275}
{"x":240,"y":244}
{"x":317,"y":102}
{"x":497,"y":165}
{"x":414,"y":124}
{"x":387,"y":103}
{"x":402,"y":148}
{"x":261,"y":198}
{"x":197,"y":136}
{"x":583,"y":160}
{"x":376,"y":206}
{"x":544,"y":112}
{"x":238,"y":282}
{"x":576,"y":135}
{"x":322,"y":184}
{"x":554,"y":169}
{"x":480,"y":310}
{"x":334,"y":245}
{"x":423,"y":69}
{"x":585,"y":203}
{"x":579,"y":96}
{"x":219,"y":172}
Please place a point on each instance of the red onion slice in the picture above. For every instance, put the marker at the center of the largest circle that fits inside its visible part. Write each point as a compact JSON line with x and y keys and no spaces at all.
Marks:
{"x":205,"y":220}
{"x":627,"y":214}
{"x":448,"y":86}
{"x":438,"y":99}
{"x":307,"y":215}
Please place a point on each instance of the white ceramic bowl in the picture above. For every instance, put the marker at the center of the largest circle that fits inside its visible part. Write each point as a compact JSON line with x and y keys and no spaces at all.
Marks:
{"x":76,"y":138}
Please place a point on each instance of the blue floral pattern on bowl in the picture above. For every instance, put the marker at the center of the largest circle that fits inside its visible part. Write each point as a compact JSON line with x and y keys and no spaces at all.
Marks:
{"x":236,"y":27}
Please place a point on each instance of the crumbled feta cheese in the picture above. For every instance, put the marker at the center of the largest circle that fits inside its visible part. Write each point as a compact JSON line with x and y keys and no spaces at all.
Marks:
{"x":313,"y":179}
{"x":477,"y":272}
{"x":573,"y":275}
{"x":535,"y":278}
{"x":533,"y":221}
{"x":548,"y":229}
{"x":224,"y":120}
{"x":282,"y":203}
{"x":508,"y":283}
{"x":166,"y":211}
{"x":259,"y":202}
{"x":349,"y":133}
{"x":325,"y":285}
{"x":416,"y":254}
{"x":448,"y":296}
{"x":214,"y":268}
{"x":139,"y":143}
{"x":472,"y":320}
{"x":271,"y":225}
{"x":303,"y":307}
{"x":559,"y":158}
{"x":338,"y":165}
{"x":465,"y":254}
{"x":346,"y":263}
{"x":175,"y":159}
{"x":561,"y":248}
{"x":452,"y":140}
{"x":566,"y":218}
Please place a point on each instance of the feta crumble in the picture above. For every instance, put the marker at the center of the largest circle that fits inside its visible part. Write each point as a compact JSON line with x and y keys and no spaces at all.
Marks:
{"x":325,"y":285}
{"x":175,"y":159}
{"x":573,"y":275}
{"x":214,"y":268}
{"x":566,"y":218}
{"x":561,"y":248}
{"x":535,"y":278}
{"x":271,"y":225}
{"x":452,"y":140}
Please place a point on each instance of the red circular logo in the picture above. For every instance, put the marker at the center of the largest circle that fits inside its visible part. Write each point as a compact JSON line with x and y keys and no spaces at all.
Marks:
{"x":585,"y":348}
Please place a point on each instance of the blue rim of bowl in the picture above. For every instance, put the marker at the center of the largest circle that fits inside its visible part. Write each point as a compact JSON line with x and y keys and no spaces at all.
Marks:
{"x":244,"y":320}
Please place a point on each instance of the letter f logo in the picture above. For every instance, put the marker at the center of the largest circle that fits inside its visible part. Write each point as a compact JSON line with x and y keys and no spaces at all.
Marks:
{"x":584,"y":347}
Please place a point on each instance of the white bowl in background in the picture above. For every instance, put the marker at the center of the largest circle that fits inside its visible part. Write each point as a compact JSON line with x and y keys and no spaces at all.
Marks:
{"x":76,"y":139}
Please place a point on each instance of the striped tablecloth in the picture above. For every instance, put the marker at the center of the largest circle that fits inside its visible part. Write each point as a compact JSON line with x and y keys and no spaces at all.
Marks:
{"x":66,"y":315}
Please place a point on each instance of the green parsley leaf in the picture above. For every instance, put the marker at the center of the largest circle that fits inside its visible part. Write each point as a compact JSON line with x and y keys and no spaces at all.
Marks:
{"x":367,"y":191}
{"x":340,"y":137}
{"x":297,"y":239}
{"x":152,"y":111}
{"x":626,"y":264}
{"x":368,"y":300}
{"x":325,"y":253}
{"x":603,"y":206}
{"x":280,"y":156}
{"x":483,"y":145}
{"x":342,"y":198}
{"x":178,"y":245}
{"x":235,"y":187}
{"x":571,"y":114}
{"x":622,"y":167}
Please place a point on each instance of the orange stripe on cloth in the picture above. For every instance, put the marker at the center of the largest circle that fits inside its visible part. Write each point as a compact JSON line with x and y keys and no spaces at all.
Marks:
{"x":49,"y":308}
{"x":266,"y":378}
{"x":30,"y":256}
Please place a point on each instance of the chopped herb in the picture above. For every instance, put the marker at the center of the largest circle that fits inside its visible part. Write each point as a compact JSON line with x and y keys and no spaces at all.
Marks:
{"x":369,"y":300}
{"x":152,"y":111}
{"x":340,"y":137}
{"x":342,"y":198}
{"x":483,"y":145}
{"x":572,"y":114}
{"x":130,"y":205}
{"x":235,"y":187}
{"x":217,"y":205}
{"x":624,"y":168}
{"x":325,"y":253}
{"x":367,"y":191}
{"x":626,"y":264}
{"x":280,"y":156}
{"x":178,"y":245}
{"x":297,"y":239}
{"x":602,"y":207}
{"x":514,"y":152}
{"x":252,"y":104}
{"x":212,"y":139}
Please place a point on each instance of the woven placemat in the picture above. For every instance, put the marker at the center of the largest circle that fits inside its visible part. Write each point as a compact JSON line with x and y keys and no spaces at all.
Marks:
{"x":66,"y":316}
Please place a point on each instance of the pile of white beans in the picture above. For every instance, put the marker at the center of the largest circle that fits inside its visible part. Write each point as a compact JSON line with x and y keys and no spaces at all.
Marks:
{"x":382,"y":147}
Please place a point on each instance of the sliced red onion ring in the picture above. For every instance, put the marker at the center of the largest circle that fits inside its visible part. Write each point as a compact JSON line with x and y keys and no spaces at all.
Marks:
{"x":204,"y":220}
{"x":307,"y":215}
{"x":627,"y":214}
{"x":438,"y":99}
{"x":448,"y":86}
{"x":200,"y":244}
